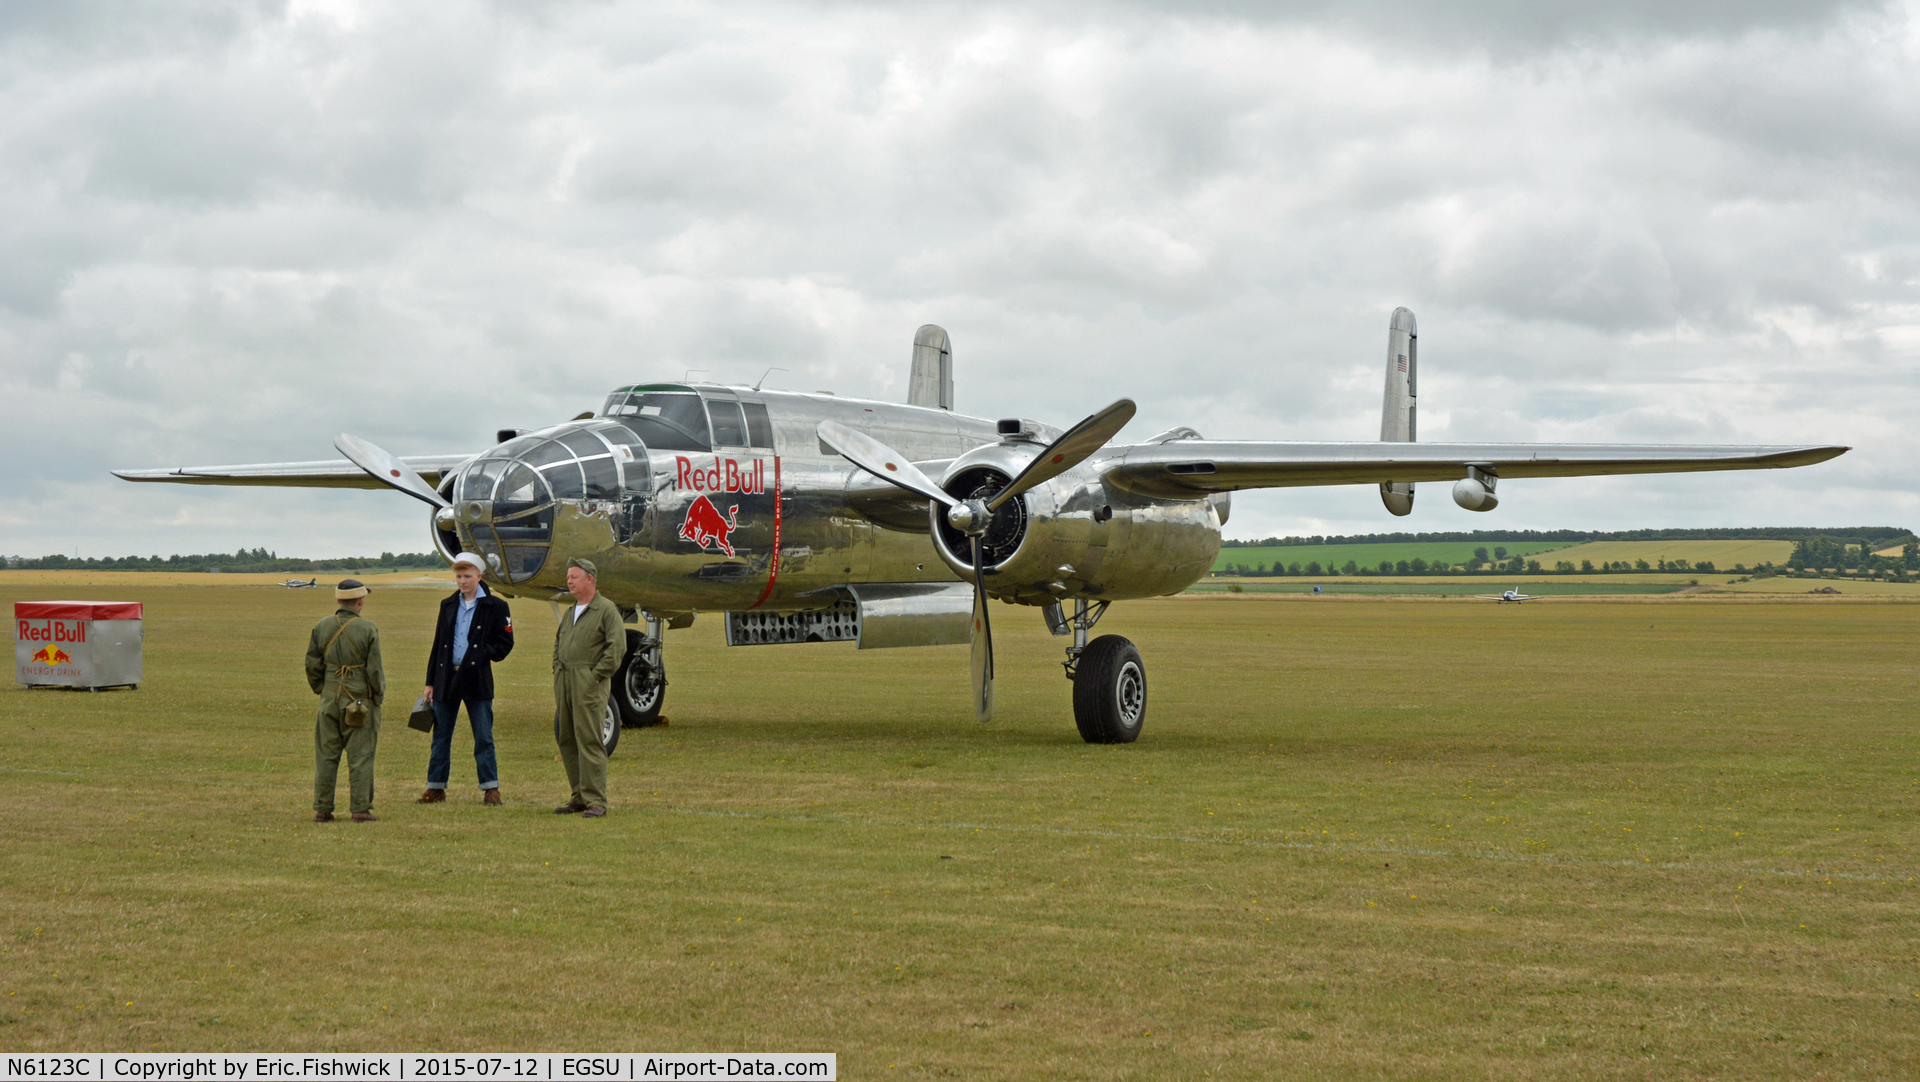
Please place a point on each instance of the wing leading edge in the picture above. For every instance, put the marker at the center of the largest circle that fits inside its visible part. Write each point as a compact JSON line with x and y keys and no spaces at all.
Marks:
{"x":324,"y":473}
{"x":1186,"y":469}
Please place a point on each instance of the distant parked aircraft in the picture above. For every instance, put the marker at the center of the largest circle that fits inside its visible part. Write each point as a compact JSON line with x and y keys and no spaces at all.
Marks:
{"x":296,"y":584}
{"x":1509,"y":595}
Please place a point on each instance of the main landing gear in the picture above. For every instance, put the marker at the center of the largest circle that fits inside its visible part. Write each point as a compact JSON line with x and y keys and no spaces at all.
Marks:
{"x":639,"y":684}
{"x":1109,"y":681}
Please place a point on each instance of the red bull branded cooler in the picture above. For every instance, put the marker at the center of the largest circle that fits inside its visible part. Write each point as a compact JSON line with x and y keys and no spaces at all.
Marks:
{"x":77,"y":644}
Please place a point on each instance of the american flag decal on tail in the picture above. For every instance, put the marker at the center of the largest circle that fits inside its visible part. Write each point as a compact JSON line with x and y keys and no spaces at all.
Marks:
{"x":1402,"y":363}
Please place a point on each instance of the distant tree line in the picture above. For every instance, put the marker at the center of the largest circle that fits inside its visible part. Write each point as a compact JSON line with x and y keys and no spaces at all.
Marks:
{"x":1885,"y":535}
{"x":1853,"y":554}
{"x":242,"y":561}
{"x":1813,"y":556}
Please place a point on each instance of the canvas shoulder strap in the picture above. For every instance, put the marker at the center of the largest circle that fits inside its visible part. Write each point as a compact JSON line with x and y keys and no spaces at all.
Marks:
{"x":325,"y":650}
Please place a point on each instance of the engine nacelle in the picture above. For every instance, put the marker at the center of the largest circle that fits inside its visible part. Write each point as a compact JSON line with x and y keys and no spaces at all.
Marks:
{"x":1072,"y":536}
{"x":1475,"y":494}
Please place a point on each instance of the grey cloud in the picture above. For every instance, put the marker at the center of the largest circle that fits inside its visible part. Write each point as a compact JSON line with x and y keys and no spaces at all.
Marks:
{"x":250,"y":228}
{"x":1516,"y":27}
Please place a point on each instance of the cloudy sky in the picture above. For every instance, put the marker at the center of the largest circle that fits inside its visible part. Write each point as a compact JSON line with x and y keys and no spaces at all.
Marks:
{"x":233,"y":230}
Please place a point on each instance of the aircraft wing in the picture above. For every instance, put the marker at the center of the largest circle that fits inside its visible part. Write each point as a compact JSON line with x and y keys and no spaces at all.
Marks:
{"x":1188,"y":468}
{"x":324,"y":473}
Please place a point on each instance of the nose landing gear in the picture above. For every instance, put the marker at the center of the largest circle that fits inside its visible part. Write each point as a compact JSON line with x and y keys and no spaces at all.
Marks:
{"x":1109,"y":681}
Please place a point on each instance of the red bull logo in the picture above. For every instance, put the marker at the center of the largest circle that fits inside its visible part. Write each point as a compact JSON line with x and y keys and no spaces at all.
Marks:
{"x":704,"y":524}
{"x":724,"y":475}
{"x":51,"y":655}
{"x":52,"y":631}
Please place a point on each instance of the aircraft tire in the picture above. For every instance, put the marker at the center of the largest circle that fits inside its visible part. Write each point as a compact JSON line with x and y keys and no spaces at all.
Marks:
{"x":610,"y":728}
{"x":638,"y":692}
{"x":1110,"y":692}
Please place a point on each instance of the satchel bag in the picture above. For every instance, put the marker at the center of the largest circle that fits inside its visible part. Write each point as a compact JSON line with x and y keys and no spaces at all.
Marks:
{"x":422,"y":716}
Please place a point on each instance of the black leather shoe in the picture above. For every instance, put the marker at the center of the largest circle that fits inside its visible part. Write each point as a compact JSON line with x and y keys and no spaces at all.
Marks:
{"x":323,"y":817}
{"x":569,"y":809}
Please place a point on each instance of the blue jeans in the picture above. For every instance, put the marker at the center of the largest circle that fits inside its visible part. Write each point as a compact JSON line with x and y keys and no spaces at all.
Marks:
{"x":440,"y":760}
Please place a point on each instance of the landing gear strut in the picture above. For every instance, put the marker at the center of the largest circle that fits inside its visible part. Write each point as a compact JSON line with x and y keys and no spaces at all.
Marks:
{"x":640,"y":684}
{"x":1109,"y":681}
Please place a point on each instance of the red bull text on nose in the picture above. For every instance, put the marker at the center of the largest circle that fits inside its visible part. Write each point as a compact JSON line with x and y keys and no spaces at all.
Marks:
{"x":704,"y":525}
{"x":724,"y":475}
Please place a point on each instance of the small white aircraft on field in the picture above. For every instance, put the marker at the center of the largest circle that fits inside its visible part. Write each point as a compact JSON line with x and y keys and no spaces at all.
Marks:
{"x":296,"y":584}
{"x":1509,"y":595}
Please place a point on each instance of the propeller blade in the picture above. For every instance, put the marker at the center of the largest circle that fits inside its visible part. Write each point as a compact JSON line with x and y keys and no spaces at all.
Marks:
{"x":881,"y":461}
{"x":1063,"y":454}
{"x":388,"y":469}
{"x":982,"y":643}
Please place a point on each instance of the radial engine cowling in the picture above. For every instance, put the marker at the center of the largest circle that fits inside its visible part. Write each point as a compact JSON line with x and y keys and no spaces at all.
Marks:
{"x":1072,"y":536}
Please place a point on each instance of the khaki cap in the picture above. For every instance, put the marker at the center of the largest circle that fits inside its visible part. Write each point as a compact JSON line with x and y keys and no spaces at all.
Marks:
{"x":584,"y":564}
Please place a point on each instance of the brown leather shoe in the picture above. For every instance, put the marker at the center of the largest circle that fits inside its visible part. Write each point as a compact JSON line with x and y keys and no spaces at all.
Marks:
{"x":323,"y":817}
{"x":433,"y":796}
{"x":492,"y":798}
{"x":569,"y":809}
{"x":365,"y":817}
{"x":595,"y":811}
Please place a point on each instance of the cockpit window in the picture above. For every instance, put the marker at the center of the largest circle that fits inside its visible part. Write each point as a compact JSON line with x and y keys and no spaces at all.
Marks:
{"x":584,"y":444}
{"x":546,"y":454}
{"x":477,"y":482}
{"x":619,"y":436}
{"x":520,"y":488}
{"x":729,"y":426}
{"x":666,"y":422}
{"x":759,"y":427}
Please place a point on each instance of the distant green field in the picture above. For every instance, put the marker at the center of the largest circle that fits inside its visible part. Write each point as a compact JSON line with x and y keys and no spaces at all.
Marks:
{"x":1456,"y":586}
{"x":1369,"y":556}
{"x":1724,"y":554}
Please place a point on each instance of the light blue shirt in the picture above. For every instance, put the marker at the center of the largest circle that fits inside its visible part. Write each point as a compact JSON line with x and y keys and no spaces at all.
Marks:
{"x":463,"y":622}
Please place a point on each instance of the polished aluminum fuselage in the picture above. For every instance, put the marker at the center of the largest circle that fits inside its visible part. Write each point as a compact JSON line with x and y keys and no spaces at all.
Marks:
{"x":783,"y":528}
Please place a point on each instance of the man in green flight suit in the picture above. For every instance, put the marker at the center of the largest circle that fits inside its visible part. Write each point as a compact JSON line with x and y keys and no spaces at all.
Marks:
{"x":343,"y":668}
{"x":586,"y":652}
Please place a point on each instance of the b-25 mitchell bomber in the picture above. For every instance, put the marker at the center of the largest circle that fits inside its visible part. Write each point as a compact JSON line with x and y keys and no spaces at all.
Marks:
{"x":810,"y":517}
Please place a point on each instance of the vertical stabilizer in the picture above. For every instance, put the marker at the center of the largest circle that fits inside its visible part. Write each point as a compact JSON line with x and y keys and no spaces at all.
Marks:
{"x":1397,"y":409}
{"x":931,"y":383}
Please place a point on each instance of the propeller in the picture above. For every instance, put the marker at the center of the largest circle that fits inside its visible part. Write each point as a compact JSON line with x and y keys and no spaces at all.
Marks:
{"x":1063,"y":454}
{"x":388,"y":469}
{"x":882,"y":461}
{"x":972,"y":517}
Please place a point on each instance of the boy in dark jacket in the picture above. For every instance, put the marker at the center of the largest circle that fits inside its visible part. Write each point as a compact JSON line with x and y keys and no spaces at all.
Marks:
{"x":475,"y":630}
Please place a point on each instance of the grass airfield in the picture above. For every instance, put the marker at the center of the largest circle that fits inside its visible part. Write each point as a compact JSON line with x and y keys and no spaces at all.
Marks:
{"x":1636,"y":837}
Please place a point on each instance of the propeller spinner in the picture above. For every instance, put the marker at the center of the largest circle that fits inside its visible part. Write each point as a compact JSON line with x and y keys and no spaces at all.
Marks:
{"x":972,"y":517}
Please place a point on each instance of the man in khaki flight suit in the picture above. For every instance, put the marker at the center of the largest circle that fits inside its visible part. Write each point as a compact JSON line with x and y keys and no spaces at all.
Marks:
{"x":586,"y":652}
{"x":343,"y":667}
